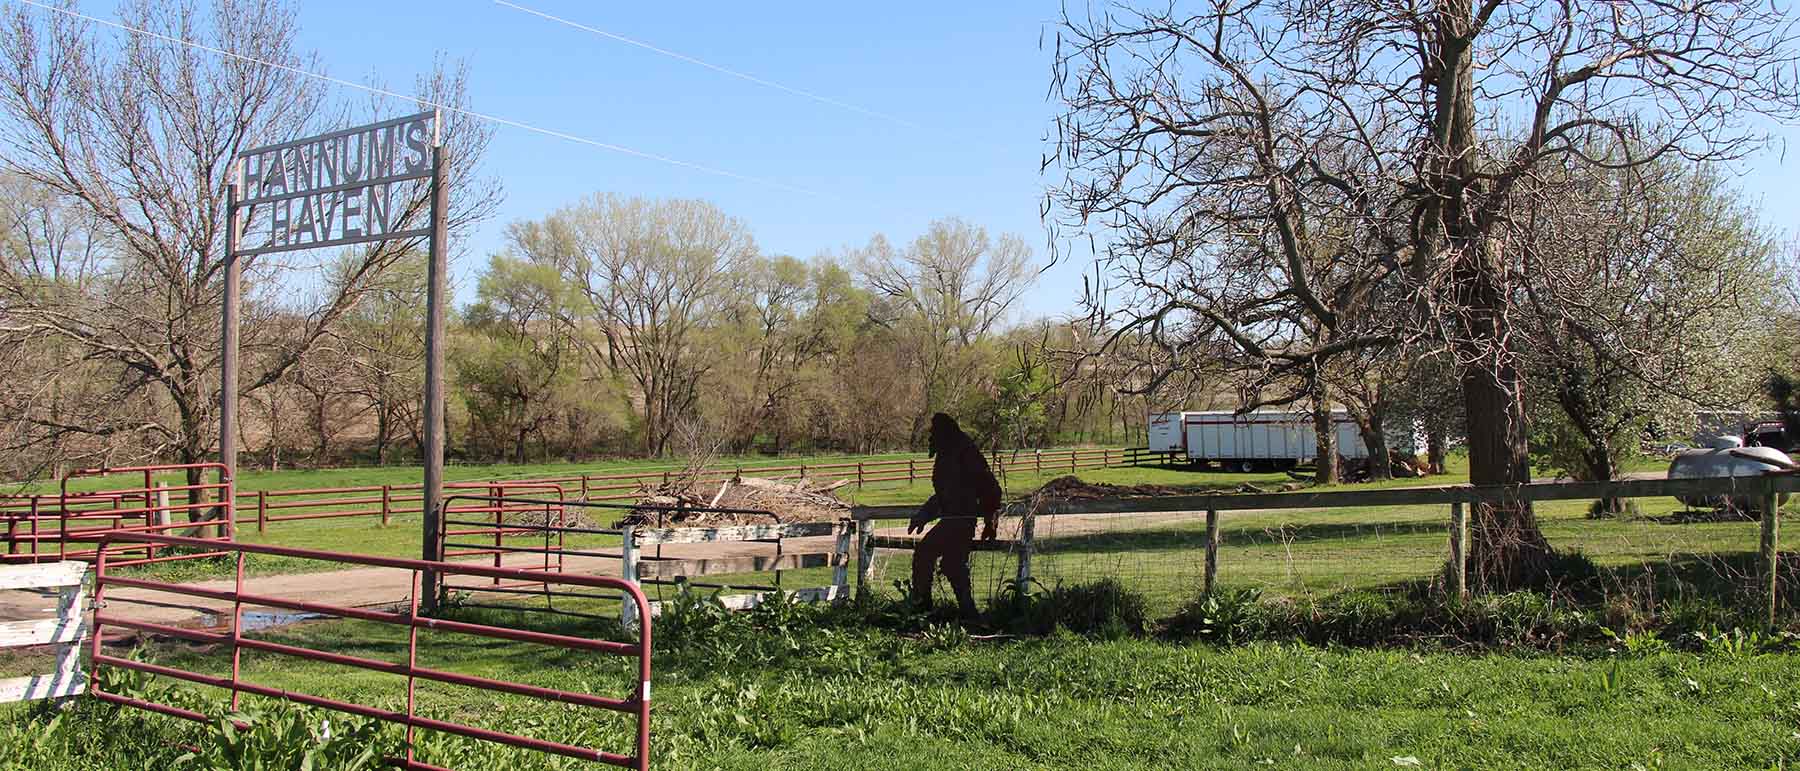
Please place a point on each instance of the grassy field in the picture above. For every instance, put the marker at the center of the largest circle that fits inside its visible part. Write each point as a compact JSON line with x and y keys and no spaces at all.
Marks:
{"x":802,"y":692}
{"x":805,"y":688}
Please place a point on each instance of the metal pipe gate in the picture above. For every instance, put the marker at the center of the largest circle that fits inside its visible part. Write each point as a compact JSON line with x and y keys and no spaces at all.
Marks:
{"x":636,"y":704}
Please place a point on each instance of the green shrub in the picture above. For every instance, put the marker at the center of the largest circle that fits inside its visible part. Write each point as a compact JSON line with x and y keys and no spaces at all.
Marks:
{"x":1104,"y":609}
{"x":1226,"y":616}
{"x":284,"y":736}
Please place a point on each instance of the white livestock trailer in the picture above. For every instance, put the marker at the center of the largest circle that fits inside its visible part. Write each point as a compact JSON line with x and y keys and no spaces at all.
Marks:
{"x":1265,"y":440}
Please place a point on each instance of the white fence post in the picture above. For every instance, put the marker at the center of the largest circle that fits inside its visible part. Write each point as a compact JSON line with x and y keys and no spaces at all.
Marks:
{"x":161,"y":515}
{"x":840,"y":560}
{"x":865,"y":555}
{"x":628,"y":570}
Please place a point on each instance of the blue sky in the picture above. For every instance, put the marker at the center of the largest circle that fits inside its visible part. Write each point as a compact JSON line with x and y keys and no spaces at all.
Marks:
{"x":965,"y":84}
{"x":969,"y":78}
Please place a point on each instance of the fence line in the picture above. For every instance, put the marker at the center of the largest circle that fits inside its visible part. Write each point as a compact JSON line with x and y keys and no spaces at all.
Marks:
{"x":263,"y":508}
{"x":1765,"y":491}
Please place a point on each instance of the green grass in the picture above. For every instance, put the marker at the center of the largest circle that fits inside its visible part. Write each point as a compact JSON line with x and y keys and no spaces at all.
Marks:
{"x":836,"y":690}
{"x":815,"y":695}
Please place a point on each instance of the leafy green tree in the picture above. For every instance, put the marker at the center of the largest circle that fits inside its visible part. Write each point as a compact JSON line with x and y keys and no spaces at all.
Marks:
{"x":516,"y":364}
{"x":1653,"y":294}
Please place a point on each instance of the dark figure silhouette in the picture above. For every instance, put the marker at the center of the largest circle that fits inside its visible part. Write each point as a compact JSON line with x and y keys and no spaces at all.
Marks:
{"x":962,"y":489}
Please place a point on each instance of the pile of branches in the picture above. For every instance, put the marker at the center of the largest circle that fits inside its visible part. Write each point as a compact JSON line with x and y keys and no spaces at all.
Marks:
{"x":737,"y":501}
{"x":1070,"y":488}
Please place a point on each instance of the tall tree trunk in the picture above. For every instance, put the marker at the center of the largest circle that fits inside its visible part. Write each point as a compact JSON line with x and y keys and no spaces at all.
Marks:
{"x":1603,"y":466}
{"x":383,"y":428}
{"x":1437,"y":449}
{"x":1325,"y":433}
{"x":1507,"y":548}
{"x":1374,"y":438}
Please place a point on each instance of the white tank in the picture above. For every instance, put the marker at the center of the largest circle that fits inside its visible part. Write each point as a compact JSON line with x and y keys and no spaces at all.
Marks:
{"x":1727,"y":458}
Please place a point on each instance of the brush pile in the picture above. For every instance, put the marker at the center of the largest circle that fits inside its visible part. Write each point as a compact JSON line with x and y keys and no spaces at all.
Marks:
{"x":738,"y":501}
{"x":1071,"y":488}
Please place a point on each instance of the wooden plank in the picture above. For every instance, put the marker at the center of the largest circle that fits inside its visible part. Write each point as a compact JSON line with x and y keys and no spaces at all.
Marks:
{"x":747,"y":601}
{"x":650,"y":537}
{"x":909,"y":543}
{"x":49,"y":574}
{"x":41,"y":631}
{"x":51,"y":686}
{"x":718,"y":566}
{"x":1212,"y":550}
{"x":1419,"y":496}
{"x":1027,"y":539}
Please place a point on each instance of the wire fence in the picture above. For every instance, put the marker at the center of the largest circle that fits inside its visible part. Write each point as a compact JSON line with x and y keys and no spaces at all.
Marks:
{"x":1327,"y":544}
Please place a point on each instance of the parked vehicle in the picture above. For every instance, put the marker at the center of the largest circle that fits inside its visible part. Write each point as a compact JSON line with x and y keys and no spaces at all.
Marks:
{"x":1727,"y":458}
{"x":1265,"y":440}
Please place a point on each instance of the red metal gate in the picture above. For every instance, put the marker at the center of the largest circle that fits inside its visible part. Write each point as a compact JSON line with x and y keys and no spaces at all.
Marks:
{"x":72,"y":525}
{"x":636,"y":704}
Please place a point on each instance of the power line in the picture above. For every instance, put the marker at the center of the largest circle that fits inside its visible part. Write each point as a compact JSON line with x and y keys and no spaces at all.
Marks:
{"x":714,"y":67}
{"x":445,"y":107}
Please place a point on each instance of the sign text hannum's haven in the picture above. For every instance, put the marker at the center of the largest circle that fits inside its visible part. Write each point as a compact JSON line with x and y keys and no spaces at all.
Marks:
{"x":335,"y":188}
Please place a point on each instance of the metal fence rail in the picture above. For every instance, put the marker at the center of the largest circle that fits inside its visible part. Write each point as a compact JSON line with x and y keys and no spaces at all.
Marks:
{"x":234,"y":643}
{"x":73,"y":525}
{"x":386,"y":502}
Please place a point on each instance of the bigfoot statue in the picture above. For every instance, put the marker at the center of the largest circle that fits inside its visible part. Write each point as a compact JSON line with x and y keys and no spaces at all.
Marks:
{"x":962,"y":489}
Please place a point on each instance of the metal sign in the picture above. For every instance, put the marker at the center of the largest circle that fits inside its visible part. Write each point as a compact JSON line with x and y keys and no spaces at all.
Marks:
{"x":346,"y":187}
{"x":335,"y":189}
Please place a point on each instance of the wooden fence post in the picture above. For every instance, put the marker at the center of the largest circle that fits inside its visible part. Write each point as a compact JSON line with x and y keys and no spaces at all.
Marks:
{"x":1038,"y":460}
{"x":160,"y":516}
{"x":859,"y":475}
{"x":865,"y":555}
{"x":584,"y":486}
{"x":912,"y":473}
{"x":1027,"y":537}
{"x":387,"y":504}
{"x":1459,"y":550}
{"x":840,"y":560}
{"x":262,"y":511}
{"x":628,"y":570}
{"x":1212,"y":549}
{"x":1771,"y":550}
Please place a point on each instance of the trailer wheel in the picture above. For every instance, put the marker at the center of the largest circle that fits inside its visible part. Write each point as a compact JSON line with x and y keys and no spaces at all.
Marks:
{"x":1245,"y":466}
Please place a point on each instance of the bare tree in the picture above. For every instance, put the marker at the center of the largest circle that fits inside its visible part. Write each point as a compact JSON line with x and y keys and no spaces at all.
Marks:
{"x":383,"y":337}
{"x":951,"y":289}
{"x":651,"y":276}
{"x":1452,"y":110}
{"x":138,"y":136}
